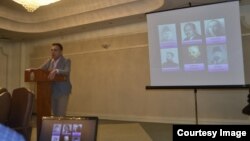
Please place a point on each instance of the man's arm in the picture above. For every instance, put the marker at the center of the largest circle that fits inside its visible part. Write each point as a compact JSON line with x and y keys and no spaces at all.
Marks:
{"x":45,"y":65}
{"x":66,"y":69}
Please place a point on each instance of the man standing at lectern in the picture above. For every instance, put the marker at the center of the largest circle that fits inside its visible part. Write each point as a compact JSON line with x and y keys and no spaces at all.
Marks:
{"x":57,"y":64}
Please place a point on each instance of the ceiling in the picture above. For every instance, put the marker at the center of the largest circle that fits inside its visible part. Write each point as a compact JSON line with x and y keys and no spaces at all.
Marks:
{"x":69,"y":16}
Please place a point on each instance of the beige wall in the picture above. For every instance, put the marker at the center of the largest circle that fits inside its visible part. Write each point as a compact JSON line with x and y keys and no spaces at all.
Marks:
{"x":110,"y":83}
{"x":3,"y":69}
{"x":10,"y":65}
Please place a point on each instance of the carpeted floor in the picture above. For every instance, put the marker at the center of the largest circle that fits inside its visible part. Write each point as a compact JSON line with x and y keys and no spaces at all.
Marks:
{"x":122,"y":132}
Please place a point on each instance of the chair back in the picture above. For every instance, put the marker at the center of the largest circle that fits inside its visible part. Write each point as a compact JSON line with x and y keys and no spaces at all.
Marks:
{"x":5,"y":100}
{"x":3,"y":90}
{"x":22,"y":102}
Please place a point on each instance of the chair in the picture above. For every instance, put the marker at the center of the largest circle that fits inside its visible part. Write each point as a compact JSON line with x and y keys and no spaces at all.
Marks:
{"x":21,"y":111}
{"x":3,"y":90}
{"x":5,"y":100}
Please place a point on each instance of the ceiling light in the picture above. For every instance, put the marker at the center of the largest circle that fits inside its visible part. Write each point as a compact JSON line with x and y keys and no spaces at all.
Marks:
{"x":32,"y":5}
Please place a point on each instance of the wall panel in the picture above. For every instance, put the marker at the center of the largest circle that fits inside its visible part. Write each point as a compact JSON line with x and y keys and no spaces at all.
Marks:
{"x":3,"y":68}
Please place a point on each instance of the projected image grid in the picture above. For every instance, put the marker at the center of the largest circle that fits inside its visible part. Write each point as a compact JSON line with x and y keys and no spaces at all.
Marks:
{"x":203,"y":46}
{"x":66,"y":132}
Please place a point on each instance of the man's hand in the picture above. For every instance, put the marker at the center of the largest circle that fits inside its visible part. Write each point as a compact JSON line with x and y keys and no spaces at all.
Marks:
{"x":52,"y":74}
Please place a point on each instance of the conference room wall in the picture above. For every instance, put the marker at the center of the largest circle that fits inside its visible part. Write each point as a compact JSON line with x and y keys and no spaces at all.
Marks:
{"x":110,"y":83}
{"x":9,"y":64}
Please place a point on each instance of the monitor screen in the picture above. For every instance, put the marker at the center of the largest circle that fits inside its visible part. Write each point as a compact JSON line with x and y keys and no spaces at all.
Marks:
{"x":69,"y":129}
{"x":196,"y":46}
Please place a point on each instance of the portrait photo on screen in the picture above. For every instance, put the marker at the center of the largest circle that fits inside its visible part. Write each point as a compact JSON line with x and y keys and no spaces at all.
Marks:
{"x":169,"y":59}
{"x":215,"y":27}
{"x":167,"y":35}
{"x":215,"y":31}
{"x":77,"y":132}
{"x":191,"y":33}
{"x":217,"y":58}
{"x":57,"y":129}
{"x":67,"y":129}
{"x":193,"y":58}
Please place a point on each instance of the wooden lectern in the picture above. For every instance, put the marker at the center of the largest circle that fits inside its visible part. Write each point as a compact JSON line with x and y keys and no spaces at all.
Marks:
{"x":43,"y":93}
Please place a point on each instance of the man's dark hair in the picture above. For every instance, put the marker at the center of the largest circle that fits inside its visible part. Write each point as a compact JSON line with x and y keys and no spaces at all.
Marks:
{"x":59,"y":45}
